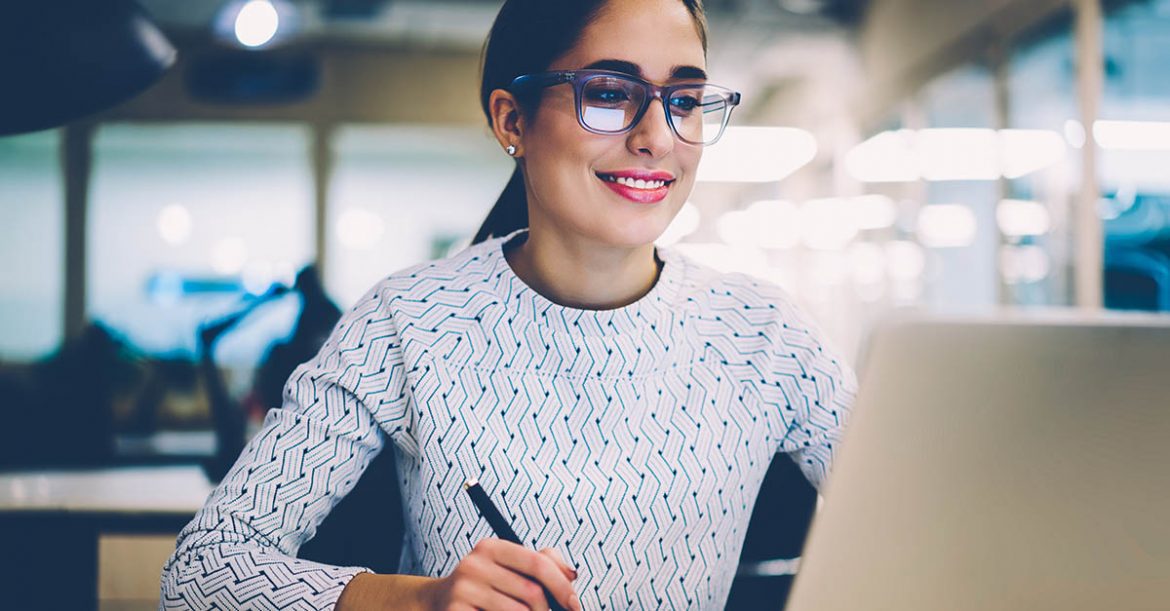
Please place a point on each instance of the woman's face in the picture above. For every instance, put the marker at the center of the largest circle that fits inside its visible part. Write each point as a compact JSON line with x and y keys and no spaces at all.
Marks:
{"x":570,"y":172}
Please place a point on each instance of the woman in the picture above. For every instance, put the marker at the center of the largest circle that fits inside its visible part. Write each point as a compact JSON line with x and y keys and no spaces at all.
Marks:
{"x":620,"y":403}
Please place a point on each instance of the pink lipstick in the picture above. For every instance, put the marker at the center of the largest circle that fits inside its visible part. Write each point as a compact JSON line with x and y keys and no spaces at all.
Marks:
{"x":640,"y":186}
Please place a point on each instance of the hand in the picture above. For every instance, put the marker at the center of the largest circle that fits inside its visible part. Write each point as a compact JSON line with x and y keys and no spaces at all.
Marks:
{"x":502,"y":576}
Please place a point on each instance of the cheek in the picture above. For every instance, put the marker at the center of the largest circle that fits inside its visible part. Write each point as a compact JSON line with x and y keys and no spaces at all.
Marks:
{"x":562,"y":166}
{"x":557,"y":145}
{"x":566,"y":158}
{"x":688,"y":164}
{"x":688,"y":158}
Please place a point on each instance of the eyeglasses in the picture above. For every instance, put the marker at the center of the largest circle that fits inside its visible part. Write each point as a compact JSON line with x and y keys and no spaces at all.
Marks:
{"x":611,"y":103}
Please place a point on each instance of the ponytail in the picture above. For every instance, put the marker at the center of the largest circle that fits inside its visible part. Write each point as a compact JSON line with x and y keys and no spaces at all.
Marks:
{"x":510,"y":212}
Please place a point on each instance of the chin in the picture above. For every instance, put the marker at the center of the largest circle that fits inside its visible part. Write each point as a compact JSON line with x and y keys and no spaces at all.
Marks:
{"x":636,"y":232}
{"x":633,"y":226}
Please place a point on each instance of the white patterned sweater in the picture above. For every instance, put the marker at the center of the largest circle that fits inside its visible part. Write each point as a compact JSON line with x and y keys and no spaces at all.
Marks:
{"x":633,"y":440}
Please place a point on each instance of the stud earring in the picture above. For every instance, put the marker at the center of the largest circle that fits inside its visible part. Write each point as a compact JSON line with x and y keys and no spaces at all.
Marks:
{"x":511,"y":150}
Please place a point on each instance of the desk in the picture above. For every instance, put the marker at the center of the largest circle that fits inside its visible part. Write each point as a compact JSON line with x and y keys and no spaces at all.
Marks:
{"x":171,"y":447}
{"x":50,"y":522}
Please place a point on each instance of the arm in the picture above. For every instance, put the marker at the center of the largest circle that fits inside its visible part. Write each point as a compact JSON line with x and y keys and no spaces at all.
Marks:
{"x":239,"y":551}
{"x":819,"y":391}
{"x":367,"y":591}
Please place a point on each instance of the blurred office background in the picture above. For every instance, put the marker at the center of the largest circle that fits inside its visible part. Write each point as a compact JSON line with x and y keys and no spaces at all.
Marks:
{"x":944,"y":155}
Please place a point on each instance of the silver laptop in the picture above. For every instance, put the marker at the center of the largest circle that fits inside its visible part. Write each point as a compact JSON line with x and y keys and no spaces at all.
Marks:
{"x":1017,"y":464}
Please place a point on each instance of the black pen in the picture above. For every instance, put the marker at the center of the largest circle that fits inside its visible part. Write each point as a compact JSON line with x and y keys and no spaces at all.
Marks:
{"x":501,"y":527}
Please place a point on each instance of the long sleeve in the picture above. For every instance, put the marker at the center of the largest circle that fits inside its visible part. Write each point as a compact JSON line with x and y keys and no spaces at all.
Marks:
{"x":239,"y":550}
{"x":820,"y":389}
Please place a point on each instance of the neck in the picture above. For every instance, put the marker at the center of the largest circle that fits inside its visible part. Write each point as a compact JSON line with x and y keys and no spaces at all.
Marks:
{"x":582,"y":274}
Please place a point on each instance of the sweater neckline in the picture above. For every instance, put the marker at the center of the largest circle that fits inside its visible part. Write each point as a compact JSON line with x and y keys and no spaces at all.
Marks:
{"x":528,"y":304}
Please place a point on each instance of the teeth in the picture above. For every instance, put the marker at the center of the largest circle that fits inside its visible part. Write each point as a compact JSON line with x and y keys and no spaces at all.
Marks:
{"x":637,"y":184}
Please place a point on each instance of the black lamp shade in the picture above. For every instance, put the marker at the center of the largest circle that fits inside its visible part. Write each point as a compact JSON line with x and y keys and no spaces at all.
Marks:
{"x":62,"y":60}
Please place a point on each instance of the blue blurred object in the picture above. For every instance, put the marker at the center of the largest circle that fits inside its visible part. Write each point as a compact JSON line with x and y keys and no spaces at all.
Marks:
{"x":1142,"y":220}
{"x":1137,"y":256}
{"x":170,"y":287}
{"x":60,"y":61}
{"x":1137,"y":279}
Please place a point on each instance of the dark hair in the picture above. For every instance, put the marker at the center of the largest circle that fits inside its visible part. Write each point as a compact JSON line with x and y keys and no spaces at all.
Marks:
{"x":527,"y":36}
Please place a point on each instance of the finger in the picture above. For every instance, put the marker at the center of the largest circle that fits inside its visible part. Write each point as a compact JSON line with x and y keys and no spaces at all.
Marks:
{"x":486,"y":598}
{"x":496,"y":601}
{"x":519,"y":587}
{"x":569,"y":571}
{"x":539,"y":567}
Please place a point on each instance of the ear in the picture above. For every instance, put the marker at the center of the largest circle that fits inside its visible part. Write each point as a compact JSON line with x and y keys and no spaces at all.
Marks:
{"x":507,"y":120}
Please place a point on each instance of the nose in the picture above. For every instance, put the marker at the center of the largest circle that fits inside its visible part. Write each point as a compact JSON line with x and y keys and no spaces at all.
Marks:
{"x":652,"y":135}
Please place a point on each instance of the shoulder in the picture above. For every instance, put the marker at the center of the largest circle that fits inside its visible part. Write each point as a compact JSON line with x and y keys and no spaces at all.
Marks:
{"x":751,"y":312}
{"x":710,"y":291}
{"x":431,"y":291}
{"x":438,"y":281}
{"x":428,"y":304}
{"x":459,"y":271}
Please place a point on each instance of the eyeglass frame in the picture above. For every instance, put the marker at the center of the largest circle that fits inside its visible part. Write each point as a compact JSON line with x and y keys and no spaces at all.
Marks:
{"x":578,"y":78}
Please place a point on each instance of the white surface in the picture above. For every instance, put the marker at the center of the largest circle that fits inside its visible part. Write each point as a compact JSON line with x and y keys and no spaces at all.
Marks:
{"x":167,"y":443}
{"x":123,"y":490}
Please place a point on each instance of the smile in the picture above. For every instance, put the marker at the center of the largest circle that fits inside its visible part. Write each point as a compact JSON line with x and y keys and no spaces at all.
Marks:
{"x":644,"y":189}
{"x":635,"y":183}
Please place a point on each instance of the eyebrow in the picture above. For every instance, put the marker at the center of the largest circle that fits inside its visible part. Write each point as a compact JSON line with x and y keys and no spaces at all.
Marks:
{"x":618,"y":65}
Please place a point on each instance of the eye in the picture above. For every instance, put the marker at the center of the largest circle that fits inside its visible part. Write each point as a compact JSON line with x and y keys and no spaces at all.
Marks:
{"x":684,"y":103}
{"x":606,"y":94}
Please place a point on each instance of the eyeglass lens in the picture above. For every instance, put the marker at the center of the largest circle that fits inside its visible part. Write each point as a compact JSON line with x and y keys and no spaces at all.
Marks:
{"x":611,"y":104}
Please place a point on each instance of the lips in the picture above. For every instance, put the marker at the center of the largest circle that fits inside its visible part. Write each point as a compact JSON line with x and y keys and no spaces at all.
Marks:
{"x":640,"y":186}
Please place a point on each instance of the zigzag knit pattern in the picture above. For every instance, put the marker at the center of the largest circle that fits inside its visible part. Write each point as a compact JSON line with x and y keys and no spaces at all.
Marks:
{"x":633,"y":440}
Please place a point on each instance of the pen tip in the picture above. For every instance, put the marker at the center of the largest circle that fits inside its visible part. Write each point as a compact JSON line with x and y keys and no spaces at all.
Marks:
{"x":469,"y":483}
